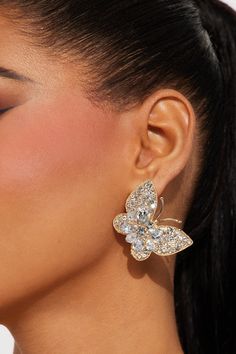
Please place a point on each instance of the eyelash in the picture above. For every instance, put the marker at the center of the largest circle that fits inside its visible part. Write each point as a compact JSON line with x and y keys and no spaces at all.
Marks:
{"x":4,"y":110}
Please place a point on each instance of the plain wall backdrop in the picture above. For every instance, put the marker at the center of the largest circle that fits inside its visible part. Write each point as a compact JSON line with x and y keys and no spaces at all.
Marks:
{"x":6,"y":340}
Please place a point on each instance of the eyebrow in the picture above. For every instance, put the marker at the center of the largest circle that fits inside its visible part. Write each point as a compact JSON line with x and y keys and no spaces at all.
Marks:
{"x":11,"y":74}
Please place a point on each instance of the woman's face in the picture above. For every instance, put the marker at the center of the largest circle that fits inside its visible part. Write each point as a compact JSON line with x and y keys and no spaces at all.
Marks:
{"x":63,"y":171}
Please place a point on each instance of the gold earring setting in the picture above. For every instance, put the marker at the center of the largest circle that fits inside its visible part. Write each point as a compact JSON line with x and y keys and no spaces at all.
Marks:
{"x":143,"y":230}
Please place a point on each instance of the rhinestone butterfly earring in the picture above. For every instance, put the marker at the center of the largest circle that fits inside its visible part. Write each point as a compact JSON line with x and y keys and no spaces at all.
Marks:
{"x":143,"y":231}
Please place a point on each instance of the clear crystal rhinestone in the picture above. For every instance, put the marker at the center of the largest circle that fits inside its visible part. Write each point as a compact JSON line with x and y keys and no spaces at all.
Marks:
{"x":141,"y":230}
{"x":150,"y":245}
{"x":177,"y":247}
{"x":130,"y":237}
{"x":172,"y":244}
{"x":143,"y":195}
{"x":138,"y":245}
{"x":142,"y":216}
{"x":126,"y":227}
{"x":131,"y":215}
{"x":149,"y":224}
{"x":164,"y":249}
{"x":155,"y":233}
{"x":169,"y":229}
{"x":140,"y":255}
{"x":153,"y":205}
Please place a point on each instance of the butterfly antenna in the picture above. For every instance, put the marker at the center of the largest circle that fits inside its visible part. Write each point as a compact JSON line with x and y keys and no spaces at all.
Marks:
{"x":170,"y":219}
{"x":166,"y":219}
{"x":162,"y":207}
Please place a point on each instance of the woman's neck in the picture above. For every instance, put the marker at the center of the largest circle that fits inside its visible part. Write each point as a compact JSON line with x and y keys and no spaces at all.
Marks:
{"x":110,"y":307}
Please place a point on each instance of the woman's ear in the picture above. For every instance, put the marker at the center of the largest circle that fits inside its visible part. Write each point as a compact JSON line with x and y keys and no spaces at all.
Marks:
{"x":166,"y":139}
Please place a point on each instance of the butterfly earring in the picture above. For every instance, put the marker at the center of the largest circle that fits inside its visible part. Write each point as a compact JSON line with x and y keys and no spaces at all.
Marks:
{"x":143,"y":231}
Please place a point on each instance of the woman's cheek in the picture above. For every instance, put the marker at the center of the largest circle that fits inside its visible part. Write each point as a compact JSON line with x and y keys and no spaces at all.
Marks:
{"x":45,"y":142}
{"x":56,"y":175}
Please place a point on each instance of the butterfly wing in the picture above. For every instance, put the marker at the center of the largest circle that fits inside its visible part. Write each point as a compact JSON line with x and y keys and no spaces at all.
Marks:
{"x":142,"y":199}
{"x":138,"y":250}
{"x":123,"y":224}
{"x":170,"y":240}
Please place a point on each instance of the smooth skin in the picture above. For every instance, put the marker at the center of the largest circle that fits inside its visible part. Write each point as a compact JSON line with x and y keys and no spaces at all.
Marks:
{"x":68,"y":283}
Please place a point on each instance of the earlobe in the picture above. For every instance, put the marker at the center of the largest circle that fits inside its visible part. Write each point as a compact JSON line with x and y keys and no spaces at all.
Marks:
{"x":168,"y":139}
